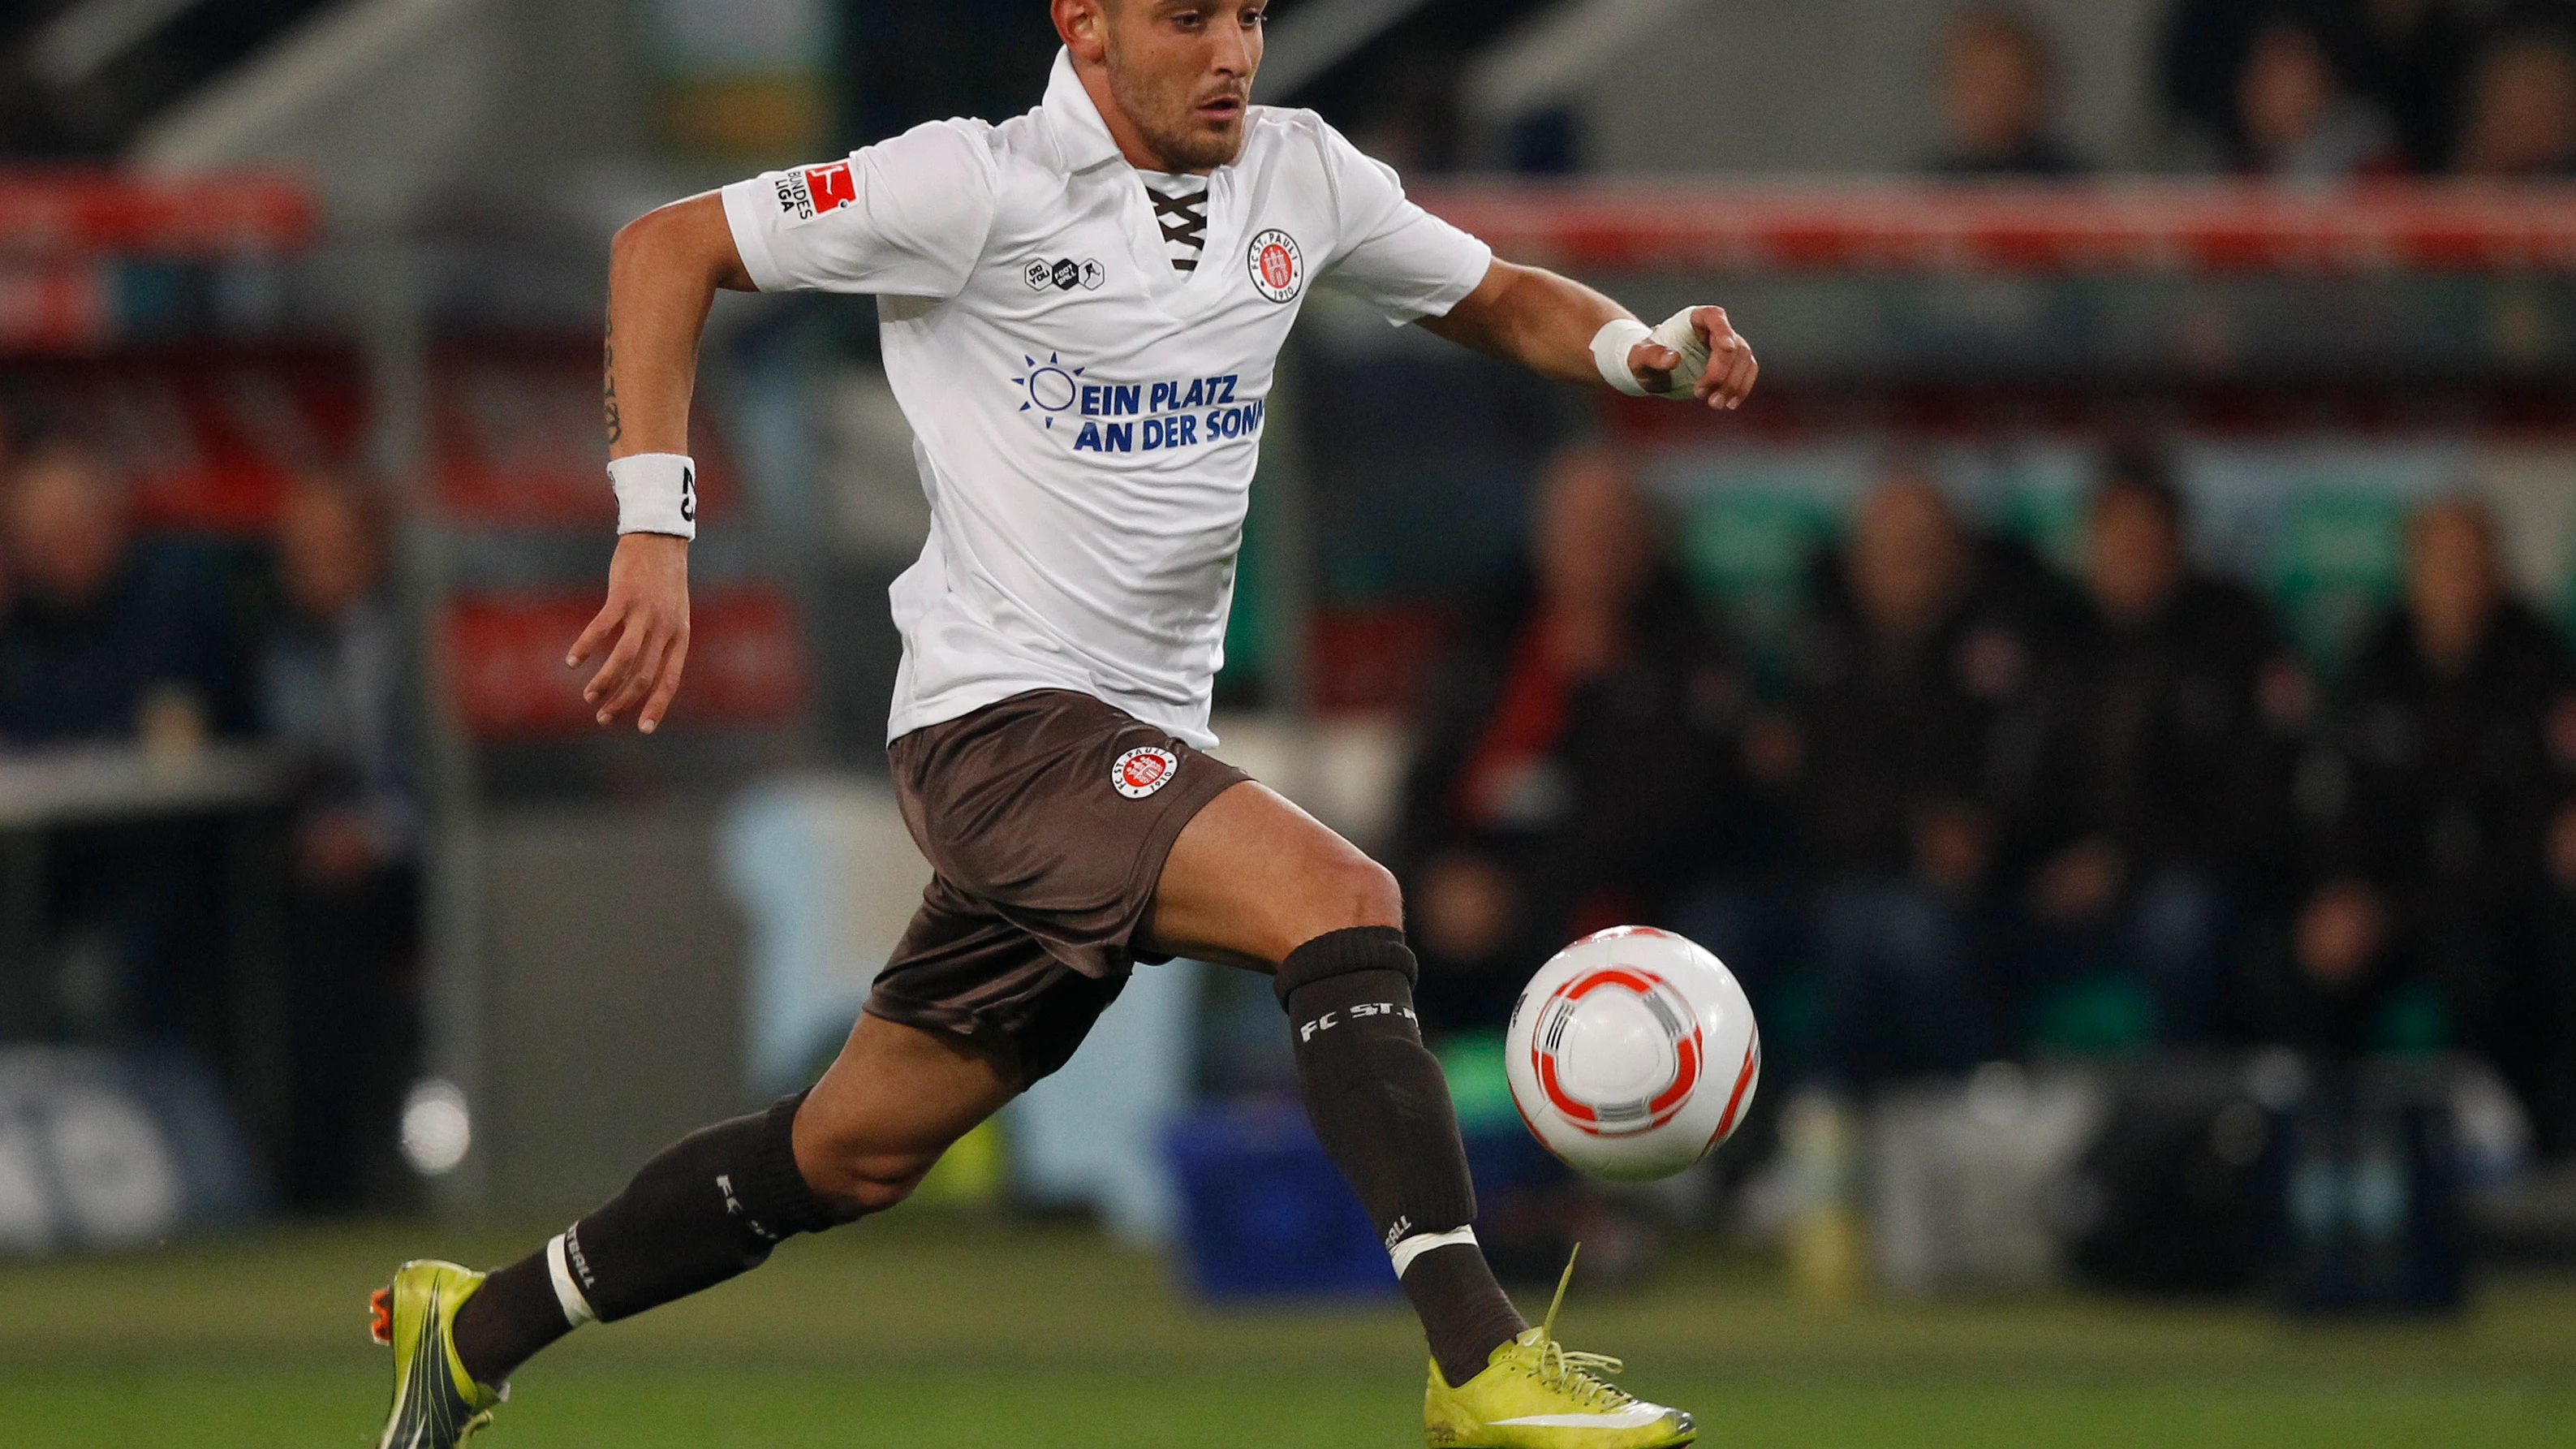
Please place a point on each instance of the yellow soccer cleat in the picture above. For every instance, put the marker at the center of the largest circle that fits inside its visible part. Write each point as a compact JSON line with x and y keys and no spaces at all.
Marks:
{"x":1534,"y":1394}
{"x":435,"y":1405}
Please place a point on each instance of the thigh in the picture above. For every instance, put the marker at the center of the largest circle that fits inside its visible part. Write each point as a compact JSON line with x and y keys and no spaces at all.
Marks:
{"x":1252,"y":877}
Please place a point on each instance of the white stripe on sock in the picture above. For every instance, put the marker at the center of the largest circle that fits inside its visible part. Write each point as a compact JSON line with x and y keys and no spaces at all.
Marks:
{"x":1420,"y":1243}
{"x":576,"y":1309}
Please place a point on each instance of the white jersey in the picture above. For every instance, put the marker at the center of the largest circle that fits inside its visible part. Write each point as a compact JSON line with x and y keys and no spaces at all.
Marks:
{"x":1086,"y":417}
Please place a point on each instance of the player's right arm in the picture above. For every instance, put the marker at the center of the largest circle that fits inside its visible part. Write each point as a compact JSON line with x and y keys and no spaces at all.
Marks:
{"x":906,"y":217}
{"x":663,"y":272}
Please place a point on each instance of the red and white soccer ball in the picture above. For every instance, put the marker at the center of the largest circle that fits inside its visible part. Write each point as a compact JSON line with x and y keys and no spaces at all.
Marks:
{"x":1633,"y":1053}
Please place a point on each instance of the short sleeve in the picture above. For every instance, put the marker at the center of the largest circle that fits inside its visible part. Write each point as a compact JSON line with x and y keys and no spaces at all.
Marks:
{"x":906,"y":217}
{"x":1391,"y":253}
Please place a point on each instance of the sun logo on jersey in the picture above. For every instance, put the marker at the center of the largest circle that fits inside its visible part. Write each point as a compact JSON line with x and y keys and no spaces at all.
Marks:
{"x":1050,"y":385}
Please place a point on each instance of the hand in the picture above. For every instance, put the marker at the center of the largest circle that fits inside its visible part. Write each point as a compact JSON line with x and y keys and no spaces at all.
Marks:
{"x":1727,"y":379}
{"x":335,"y":846}
{"x":2080,"y":882}
{"x":1774,"y":751}
{"x":648,"y":611}
{"x":2562,"y":847}
{"x":2339,"y":932}
{"x":1465,"y":907}
{"x":1951,"y":842}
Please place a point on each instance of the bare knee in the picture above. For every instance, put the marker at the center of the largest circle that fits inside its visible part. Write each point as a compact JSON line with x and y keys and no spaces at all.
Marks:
{"x":1357,"y":891}
{"x":854,"y":1184}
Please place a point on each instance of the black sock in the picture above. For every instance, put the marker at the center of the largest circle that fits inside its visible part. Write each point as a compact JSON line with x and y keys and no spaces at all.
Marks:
{"x":1382,"y":1110}
{"x":709,"y":1208}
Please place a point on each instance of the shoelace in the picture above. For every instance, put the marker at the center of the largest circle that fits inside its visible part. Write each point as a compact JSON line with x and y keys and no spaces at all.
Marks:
{"x":1570,"y":1371}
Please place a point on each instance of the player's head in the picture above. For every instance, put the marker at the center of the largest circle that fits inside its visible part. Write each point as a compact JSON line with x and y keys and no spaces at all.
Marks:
{"x":1179,"y":72}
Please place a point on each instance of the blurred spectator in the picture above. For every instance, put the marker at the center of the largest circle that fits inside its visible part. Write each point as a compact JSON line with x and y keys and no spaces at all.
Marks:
{"x":2448,"y":828}
{"x":1570,"y":770}
{"x":334,"y":697}
{"x":1998,"y":98}
{"x":2406,"y":56}
{"x":2413,"y":55}
{"x":1915,"y":757}
{"x":2299,"y":117}
{"x":99,"y":644}
{"x":2521,"y":113}
{"x":2182,"y":710}
{"x":102,"y":644}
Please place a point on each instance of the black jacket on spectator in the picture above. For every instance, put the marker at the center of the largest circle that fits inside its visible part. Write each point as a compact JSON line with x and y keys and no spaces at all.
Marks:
{"x":1957,"y":718}
{"x":81,"y":675}
{"x":2176,"y":739}
{"x":1629,"y":804}
{"x":2442,"y":790}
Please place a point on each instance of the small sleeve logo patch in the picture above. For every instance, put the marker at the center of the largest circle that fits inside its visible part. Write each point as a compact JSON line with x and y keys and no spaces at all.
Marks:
{"x":815,"y":191}
{"x":1140,"y":773}
{"x":1278,"y":267}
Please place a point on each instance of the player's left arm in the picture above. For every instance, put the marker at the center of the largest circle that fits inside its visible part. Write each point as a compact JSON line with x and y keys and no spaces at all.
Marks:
{"x":1551,"y":324}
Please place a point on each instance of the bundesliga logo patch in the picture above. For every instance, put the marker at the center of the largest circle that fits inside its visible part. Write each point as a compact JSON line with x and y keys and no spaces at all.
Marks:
{"x":1140,"y":773}
{"x":1278,"y":267}
{"x":807,"y":194}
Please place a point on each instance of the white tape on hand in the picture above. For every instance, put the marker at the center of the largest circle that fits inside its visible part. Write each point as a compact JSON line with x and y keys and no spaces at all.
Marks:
{"x":1677,"y":333}
{"x":656,"y":493}
{"x":1610,"y":348}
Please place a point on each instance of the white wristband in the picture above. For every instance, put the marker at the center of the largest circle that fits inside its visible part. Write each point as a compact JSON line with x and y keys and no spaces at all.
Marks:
{"x":656,"y":493}
{"x":1610,"y":348}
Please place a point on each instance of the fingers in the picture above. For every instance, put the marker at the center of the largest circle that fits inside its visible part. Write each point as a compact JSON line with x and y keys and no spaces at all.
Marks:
{"x":620,"y":663}
{"x":650,"y":719}
{"x":647,"y":671}
{"x":1728,"y":392}
{"x":596,"y":635}
{"x":1731,"y":365}
{"x":1652,"y":364}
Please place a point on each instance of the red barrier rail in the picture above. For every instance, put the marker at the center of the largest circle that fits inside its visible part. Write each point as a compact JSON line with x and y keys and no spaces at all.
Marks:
{"x":60,"y":213}
{"x":2228,"y":227}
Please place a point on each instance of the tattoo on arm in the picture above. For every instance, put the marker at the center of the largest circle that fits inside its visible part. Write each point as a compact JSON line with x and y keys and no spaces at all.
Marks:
{"x":616,"y":429}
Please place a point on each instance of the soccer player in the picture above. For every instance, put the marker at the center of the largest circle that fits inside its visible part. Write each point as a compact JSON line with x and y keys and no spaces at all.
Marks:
{"x":1082,"y":311}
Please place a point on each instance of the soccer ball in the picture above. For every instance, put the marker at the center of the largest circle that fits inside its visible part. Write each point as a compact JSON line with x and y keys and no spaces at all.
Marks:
{"x":1633,"y":1053}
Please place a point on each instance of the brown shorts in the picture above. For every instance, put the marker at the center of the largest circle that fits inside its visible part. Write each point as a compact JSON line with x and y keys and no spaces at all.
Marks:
{"x":1046,"y":818}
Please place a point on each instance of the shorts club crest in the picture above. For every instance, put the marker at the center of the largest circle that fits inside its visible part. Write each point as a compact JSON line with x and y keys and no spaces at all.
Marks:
{"x":1140,"y":773}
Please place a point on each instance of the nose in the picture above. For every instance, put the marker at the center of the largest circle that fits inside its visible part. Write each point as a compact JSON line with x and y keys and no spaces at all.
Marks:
{"x":1238,"y":49}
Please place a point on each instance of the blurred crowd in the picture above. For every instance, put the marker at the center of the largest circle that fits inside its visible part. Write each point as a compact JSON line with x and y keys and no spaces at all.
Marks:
{"x":2300,"y":90}
{"x":119,"y":646}
{"x":1986,"y":810}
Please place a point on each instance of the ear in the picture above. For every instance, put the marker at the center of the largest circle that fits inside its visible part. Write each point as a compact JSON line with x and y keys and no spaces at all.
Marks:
{"x":1083,"y":25}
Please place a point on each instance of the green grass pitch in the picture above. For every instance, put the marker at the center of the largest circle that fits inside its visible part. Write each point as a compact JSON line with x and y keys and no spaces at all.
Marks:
{"x":928,"y":1330}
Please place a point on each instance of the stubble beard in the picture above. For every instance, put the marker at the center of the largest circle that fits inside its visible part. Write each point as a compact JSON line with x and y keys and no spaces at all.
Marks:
{"x":1171,"y":126}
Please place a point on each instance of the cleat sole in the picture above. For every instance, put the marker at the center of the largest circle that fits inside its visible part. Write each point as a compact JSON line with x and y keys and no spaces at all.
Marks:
{"x":380,"y":1315}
